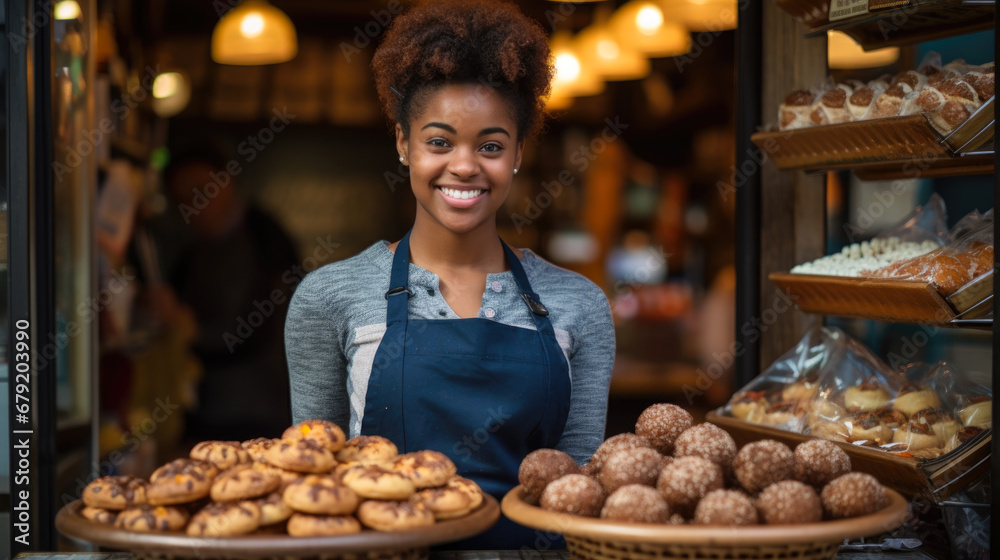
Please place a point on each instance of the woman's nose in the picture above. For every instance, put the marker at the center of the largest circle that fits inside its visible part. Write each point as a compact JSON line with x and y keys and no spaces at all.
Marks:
{"x":463,"y":163}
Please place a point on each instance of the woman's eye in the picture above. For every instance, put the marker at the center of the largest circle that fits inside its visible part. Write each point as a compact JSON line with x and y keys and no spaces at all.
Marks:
{"x":492,"y":148}
{"x":438,"y":143}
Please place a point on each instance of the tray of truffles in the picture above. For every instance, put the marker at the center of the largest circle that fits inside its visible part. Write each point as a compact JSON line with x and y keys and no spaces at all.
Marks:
{"x":886,"y":23}
{"x":922,"y":274}
{"x":936,"y":120}
{"x":308,"y":494}
{"x":924,"y":429}
{"x":677,"y":489}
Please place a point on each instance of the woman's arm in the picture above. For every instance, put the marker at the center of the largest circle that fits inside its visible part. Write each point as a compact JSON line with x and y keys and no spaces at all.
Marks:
{"x":317,"y":366}
{"x":591,"y":362}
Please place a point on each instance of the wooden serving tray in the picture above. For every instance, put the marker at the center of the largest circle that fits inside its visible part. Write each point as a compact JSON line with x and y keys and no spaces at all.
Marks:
{"x":885,"y":299}
{"x":934,"y":479}
{"x":374,"y":544}
{"x":655,"y":540}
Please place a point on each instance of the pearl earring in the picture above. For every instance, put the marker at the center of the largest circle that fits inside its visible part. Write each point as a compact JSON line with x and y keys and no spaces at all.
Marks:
{"x":515,"y":171}
{"x":401,"y":158}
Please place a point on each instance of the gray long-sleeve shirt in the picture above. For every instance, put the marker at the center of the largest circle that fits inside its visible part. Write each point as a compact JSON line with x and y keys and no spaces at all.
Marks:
{"x":337,"y":318}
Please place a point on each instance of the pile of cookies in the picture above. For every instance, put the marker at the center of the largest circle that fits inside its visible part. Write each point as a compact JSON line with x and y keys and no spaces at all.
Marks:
{"x":912,"y":421}
{"x":677,"y":472}
{"x":311,"y":482}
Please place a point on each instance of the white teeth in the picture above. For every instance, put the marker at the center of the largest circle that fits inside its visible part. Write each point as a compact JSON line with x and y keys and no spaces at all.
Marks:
{"x":461,"y":194}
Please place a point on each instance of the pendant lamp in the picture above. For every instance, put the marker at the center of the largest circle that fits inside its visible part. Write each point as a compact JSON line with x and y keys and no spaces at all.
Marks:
{"x":254,"y":33}
{"x":641,"y":25}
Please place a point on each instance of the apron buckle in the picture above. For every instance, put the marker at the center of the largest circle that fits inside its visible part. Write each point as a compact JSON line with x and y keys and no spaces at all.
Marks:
{"x":398,"y":290}
{"x":536,"y":306}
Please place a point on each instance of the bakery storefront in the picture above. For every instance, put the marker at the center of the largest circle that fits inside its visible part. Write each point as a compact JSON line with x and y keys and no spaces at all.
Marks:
{"x":470,"y":279}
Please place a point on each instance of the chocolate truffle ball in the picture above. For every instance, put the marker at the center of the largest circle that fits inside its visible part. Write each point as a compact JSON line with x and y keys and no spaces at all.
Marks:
{"x":725,"y":507}
{"x":636,"y":503}
{"x":636,"y":466}
{"x":819,"y":461}
{"x":661,"y":424}
{"x":789,"y":501}
{"x":614,"y":444}
{"x":541,"y":467}
{"x":574,"y":493}
{"x":707,"y":441}
{"x":687,"y":480}
{"x":762,"y":463}
{"x":853,"y":494}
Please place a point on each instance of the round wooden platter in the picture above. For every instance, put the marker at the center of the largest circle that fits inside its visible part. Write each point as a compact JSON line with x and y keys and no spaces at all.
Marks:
{"x":179,"y":545}
{"x":525,"y":511}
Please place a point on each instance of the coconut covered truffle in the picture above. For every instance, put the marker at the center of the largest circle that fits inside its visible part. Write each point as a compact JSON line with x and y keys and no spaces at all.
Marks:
{"x":853,"y":494}
{"x":574,"y":493}
{"x":661,"y":424}
{"x":687,"y":480}
{"x":637,"y":466}
{"x":725,"y":507}
{"x":762,"y":463}
{"x":636,"y":503}
{"x":709,"y":442}
{"x":614,"y":444}
{"x":817,"y":462}
{"x":789,"y":501}
{"x":541,"y":467}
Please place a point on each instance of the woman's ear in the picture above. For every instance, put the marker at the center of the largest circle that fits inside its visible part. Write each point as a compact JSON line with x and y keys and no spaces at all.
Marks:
{"x":518,"y":151}
{"x":402,"y":147}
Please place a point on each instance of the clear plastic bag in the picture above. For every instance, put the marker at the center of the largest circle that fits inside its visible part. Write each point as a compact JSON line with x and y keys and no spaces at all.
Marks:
{"x":832,"y":386}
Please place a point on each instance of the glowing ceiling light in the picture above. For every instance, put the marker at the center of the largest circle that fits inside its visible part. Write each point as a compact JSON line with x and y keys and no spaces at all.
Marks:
{"x":254,"y":32}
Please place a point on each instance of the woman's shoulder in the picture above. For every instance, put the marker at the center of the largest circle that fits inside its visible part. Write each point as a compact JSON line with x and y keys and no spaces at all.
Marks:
{"x":350,"y":278}
{"x":558,"y":286}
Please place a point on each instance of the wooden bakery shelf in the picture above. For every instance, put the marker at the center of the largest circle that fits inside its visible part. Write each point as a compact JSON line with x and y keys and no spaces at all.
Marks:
{"x":890,"y":23}
{"x":895,"y":147}
{"x":934,"y":479}
{"x":897,"y":301}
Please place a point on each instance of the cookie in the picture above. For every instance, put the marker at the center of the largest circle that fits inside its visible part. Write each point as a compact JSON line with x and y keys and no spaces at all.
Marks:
{"x":426,"y":469}
{"x":445,"y":502}
{"x":99,"y":515}
{"x":469,"y":488}
{"x":222,"y":454}
{"x":327,"y":434}
{"x":273,"y":509}
{"x":115,"y":492}
{"x":394,"y":515}
{"x":377,"y":483}
{"x":180,"y":481}
{"x":305,"y":525}
{"x":301,"y":455}
{"x":368,"y":449}
{"x":285,"y":476}
{"x":321,"y":494}
{"x":225,"y":519}
{"x":256,"y":448}
{"x":148,"y":518}
{"x":242,"y":482}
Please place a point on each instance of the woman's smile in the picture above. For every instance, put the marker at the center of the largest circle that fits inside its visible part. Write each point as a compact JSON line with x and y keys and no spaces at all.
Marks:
{"x":462,"y":196}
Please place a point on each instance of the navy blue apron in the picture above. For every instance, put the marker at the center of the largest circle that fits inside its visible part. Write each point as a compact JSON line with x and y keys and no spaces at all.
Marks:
{"x":484,"y":393}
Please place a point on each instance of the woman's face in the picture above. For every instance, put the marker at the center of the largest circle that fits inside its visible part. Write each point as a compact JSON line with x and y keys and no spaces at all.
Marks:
{"x":462,"y":152}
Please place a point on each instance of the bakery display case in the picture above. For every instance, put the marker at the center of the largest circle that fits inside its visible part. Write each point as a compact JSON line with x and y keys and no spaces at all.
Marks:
{"x":780,"y":195}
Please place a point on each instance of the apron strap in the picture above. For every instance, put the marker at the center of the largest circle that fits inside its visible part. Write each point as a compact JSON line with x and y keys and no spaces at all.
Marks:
{"x":396,"y":311}
{"x":539,"y":313}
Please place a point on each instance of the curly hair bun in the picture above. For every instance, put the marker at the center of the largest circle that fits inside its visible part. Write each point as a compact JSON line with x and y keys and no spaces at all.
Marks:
{"x":480,"y":41}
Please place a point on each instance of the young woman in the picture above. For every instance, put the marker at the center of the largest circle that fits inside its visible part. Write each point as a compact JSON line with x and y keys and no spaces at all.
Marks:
{"x":448,"y":339}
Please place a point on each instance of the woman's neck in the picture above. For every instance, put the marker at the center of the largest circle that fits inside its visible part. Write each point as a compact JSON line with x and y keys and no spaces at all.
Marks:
{"x":434,"y":248}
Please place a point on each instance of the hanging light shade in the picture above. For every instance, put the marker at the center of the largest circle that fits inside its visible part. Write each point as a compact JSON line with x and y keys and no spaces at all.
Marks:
{"x":171,"y":93}
{"x":66,"y":10}
{"x":702,"y":15}
{"x":572,"y":77}
{"x":844,"y":54}
{"x":253,"y":33}
{"x":641,"y":26}
{"x":600,"y":50}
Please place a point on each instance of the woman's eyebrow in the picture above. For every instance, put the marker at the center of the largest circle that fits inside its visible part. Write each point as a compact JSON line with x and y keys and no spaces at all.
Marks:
{"x":447,"y":127}
{"x":494,"y":129}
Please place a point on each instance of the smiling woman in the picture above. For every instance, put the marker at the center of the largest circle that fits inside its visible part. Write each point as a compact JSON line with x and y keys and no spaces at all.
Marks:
{"x":449,"y":339}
